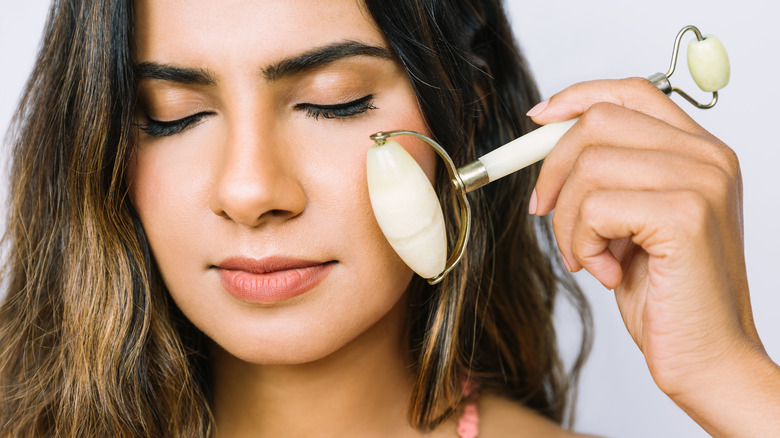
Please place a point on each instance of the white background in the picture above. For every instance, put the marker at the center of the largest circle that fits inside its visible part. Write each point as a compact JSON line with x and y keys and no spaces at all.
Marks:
{"x":575,"y":40}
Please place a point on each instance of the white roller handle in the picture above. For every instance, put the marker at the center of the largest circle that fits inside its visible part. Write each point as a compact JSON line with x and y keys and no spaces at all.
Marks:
{"x":524,"y":151}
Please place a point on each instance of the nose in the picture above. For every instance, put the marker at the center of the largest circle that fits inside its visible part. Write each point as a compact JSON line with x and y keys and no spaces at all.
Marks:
{"x":257,"y":182}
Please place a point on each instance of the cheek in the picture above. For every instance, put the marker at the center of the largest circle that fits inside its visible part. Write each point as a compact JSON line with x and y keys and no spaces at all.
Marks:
{"x":162,"y":190}
{"x":353,"y":173}
{"x":145,"y":184}
{"x":147,"y":189}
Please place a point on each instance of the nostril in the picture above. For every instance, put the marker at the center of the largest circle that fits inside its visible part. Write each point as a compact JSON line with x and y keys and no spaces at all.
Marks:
{"x":252,"y":201}
{"x":281,"y":213}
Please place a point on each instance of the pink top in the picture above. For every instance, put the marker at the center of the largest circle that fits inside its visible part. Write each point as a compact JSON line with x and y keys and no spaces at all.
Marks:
{"x":468,"y":423}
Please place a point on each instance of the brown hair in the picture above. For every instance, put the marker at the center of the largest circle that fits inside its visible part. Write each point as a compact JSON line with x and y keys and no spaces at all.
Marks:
{"x":87,"y":337}
{"x":92,"y":345}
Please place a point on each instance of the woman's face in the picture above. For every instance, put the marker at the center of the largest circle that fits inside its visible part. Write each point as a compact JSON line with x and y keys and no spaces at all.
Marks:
{"x":249,"y":172}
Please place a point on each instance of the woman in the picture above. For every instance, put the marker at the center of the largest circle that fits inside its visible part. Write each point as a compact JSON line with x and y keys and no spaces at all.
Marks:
{"x":194,"y":252}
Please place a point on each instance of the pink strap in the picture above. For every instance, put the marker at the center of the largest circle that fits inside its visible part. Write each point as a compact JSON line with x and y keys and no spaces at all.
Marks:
{"x":468,"y":423}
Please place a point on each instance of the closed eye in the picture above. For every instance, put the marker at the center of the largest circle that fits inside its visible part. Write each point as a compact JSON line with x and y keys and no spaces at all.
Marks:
{"x":338,"y":111}
{"x":166,"y":128}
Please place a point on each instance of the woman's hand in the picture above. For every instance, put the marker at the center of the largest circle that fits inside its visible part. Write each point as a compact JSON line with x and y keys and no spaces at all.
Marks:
{"x":650,"y":204}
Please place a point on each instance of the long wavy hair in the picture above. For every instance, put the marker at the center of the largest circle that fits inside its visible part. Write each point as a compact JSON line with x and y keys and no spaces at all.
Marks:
{"x":91,"y":343}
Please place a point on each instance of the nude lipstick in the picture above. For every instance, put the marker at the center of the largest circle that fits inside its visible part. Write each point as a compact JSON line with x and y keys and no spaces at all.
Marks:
{"x":270,"y":279}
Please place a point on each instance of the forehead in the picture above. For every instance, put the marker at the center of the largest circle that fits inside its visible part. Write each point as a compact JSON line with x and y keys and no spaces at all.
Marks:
{"x":233,"y":32}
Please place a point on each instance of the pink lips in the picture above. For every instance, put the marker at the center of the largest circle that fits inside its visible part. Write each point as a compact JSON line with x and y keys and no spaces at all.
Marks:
{"x":270,"y":279}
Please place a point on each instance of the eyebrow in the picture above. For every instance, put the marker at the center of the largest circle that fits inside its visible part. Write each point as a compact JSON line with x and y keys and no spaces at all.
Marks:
{"x":323,"y":55}
{"x":311,"y":59}
{"x":172,"y":73}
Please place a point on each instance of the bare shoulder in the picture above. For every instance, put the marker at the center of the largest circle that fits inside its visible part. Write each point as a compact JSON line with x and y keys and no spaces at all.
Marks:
{"x":500,"y":417}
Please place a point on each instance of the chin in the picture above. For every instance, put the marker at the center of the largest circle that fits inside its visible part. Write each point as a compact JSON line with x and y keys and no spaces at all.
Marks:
{"x":335,"y":316}
{"x":281,"y":352}
{"x":303,"y":334}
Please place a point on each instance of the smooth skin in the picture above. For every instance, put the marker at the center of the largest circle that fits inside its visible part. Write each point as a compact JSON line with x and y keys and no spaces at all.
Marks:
{"x":257,"y":176}
{"x":650,"y":203}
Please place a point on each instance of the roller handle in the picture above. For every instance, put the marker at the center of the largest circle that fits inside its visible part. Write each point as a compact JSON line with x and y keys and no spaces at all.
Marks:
{"x":707,"y":61}
{"x":524,"y":151}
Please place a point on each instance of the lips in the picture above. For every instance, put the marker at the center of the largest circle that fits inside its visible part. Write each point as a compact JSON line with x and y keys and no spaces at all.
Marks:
{"x":271,"y":279}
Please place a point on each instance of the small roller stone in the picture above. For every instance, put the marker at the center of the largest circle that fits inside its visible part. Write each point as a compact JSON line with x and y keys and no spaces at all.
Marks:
{"x":407,"y":208}
{"x":709,"y":63}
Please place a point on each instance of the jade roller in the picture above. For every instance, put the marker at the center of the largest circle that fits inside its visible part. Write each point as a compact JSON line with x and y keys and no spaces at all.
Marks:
{"x":404,"y":201}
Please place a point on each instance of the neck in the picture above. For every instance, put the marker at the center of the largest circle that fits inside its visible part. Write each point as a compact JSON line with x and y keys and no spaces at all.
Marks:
{"x":360,"y":390}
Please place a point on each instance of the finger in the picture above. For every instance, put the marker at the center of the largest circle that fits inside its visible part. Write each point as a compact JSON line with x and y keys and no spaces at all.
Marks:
{"x":637,"y":94}
{"x":606,"y":124}
{"x":663,"y":223}
{"x":606,"y":168}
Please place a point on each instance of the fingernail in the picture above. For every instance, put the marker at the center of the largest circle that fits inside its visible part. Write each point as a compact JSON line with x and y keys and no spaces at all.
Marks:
{"x":538,"y":108}
{"x":565,"y":263}
{"x":532,"y":203}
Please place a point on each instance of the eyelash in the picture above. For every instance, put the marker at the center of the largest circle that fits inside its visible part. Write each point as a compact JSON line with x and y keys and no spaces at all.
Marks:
{"x":339,"y":111}
{"x":160,"y":128}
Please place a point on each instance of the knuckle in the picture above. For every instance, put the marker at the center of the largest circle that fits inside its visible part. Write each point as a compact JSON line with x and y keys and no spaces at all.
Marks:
{"x":639,"y":85}
{"x":728,"y":161}
{"x":588,"y":162}
{"x":718,"y":180}
{"x":597,"y":116}
{"x":718,"y":154}
{"x":695,"y":212}
{"x":590,"y":207}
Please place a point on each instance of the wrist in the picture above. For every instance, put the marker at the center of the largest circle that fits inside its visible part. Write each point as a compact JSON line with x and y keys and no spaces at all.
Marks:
{"x":737,"y":396}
